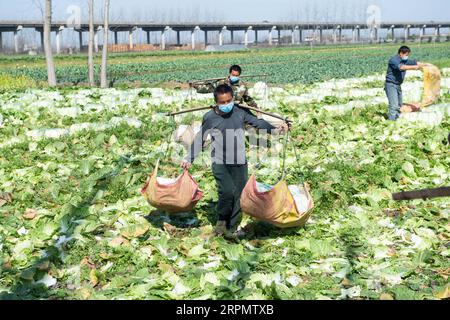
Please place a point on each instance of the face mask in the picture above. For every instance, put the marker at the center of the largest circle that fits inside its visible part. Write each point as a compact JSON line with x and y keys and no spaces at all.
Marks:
{"x":226,"y":108}
{"x":405,"y":58}
{"x":234,"y":79}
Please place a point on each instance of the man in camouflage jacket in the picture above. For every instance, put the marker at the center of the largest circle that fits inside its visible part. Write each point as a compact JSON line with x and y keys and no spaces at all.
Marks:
{"x":240,"y":90}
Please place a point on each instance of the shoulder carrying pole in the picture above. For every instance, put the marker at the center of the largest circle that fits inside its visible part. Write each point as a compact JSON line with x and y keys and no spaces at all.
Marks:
{"x":171,"y":114}
{"x":224,"y":78}
{"x":266,"y":113}
{"x":240,"y":105}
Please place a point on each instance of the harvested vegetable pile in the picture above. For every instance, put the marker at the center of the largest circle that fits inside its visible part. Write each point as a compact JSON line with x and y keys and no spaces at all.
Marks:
{"x":74,"y":225}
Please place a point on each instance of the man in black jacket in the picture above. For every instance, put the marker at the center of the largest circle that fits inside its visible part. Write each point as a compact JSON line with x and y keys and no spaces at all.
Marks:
{"x":225,"y":124}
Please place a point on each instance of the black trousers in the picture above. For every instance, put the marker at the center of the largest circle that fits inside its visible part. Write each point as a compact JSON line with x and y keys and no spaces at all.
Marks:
{"x":230,"y":181}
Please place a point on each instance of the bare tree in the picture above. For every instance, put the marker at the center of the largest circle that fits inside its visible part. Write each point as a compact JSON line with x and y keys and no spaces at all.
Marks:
{"x":39,"y":6}
{"x":47,"y":44}
{"x":91,"y":44}
{"x":103,"y":82}
{"x":290,"y":14}
{"x":343,"y":9}
{"x":326,"y":12}
{"x":298,"y":11}
{"x":194,"y":14}
{"x":178,"y":14}
{"x":135,"y":15}
{"x":307,"y":10}
{"x":315,"y":12}
{"x":155,"y":14}
{"x":333,"y":9}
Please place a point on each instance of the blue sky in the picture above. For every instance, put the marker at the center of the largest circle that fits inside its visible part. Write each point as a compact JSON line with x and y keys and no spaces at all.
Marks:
{"x":239,"y":10}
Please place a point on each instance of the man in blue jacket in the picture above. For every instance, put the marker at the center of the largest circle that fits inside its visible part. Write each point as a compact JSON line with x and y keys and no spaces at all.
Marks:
{"x":397,"y":67}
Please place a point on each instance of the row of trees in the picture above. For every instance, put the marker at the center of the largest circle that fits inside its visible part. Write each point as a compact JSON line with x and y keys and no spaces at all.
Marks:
{"x":51,"y":74}
{"x":327,"y":11}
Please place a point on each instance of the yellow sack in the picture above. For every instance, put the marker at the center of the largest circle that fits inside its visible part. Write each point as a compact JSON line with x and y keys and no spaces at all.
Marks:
{"x":172,"y":195}
{"x":431,"y":85}
{"x":281,"y":205}
{"x":431,"y":89}
{"x":185,"y":134}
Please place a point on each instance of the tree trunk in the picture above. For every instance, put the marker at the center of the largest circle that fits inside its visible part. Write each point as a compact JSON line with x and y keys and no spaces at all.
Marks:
{"x":47,"y":44}
{"x":103,"y":81}
{"x":91,"y":44}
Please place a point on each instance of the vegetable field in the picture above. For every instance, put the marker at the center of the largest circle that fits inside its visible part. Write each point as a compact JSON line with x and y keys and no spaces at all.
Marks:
{"x":286,"y":65}
{"x":75,"y":226}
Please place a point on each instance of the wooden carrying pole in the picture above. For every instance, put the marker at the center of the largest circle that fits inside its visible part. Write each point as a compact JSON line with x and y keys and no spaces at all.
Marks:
{"x":241,"y":106}
{"x":223,"y":78}
{"x":422,"y":194}
{"x":189,"y":110}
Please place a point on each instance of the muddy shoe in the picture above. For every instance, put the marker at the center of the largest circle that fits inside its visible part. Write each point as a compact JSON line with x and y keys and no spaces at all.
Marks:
{"x":220,"y":229}
{"x":240,"y":234}
{"x":246,"y":232}
{"x":231,"y":236}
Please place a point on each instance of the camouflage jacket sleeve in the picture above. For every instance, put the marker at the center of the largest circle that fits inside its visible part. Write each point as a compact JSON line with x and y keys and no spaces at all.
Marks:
{"x":204,"y":88}
{"x":208,"y":87}
{"x":250,"y":101}
{"x":241,"y":95}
